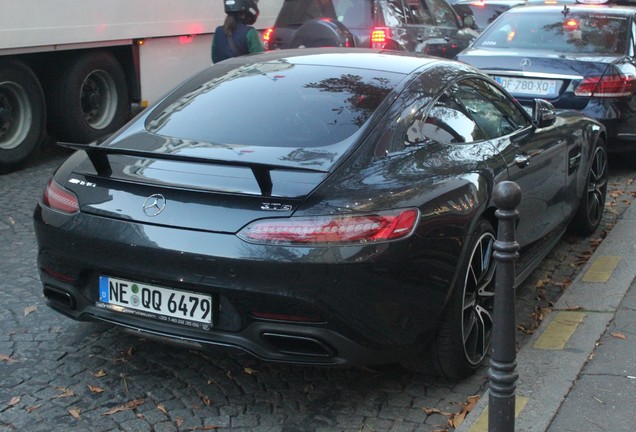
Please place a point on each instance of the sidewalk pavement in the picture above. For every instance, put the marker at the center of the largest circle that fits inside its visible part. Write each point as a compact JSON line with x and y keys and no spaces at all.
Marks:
{"x":578,"y":372}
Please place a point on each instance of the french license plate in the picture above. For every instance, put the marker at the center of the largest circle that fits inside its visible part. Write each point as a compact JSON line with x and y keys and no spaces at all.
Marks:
{"x":528,"y":86}
{"x":166,"y":304}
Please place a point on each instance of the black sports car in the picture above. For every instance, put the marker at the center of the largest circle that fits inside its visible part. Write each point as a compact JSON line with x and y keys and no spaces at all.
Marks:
{"x":317,"y":206}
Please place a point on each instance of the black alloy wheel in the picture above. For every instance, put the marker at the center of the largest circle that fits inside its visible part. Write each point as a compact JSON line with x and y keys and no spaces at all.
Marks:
{"x":592,"y":206}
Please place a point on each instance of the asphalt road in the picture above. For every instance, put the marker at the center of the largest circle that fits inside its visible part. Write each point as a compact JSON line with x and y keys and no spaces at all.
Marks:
{"x":58,"y":374}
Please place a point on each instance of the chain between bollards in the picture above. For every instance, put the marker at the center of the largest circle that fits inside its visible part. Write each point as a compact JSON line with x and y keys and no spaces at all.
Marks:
{"x":502,"y":374}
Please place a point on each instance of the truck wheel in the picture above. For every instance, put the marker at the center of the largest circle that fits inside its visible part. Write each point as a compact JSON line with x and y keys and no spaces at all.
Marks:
{"x":22,"y":114}
{"x":88,"y":97}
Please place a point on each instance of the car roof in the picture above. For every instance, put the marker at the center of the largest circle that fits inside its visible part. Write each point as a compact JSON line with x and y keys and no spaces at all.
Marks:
{"x":491,"y":2}
{"x":577,"y":7}
{"x":361,"y":58}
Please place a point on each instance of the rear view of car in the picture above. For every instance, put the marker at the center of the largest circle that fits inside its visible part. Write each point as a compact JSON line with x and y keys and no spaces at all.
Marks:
{"x":426,"y":26}
{"x":577,"y":57}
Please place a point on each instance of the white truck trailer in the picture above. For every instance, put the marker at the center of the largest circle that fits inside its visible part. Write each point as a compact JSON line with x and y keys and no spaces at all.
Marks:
{"x":76,"y":67}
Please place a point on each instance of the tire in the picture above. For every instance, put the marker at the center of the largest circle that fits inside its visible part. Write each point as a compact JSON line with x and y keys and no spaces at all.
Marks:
{"x":463,"y":339}
{"x":88,"y":97}
{"x":22,"y":114}
{"x":590,"y":211}
{"x":321,"y":33}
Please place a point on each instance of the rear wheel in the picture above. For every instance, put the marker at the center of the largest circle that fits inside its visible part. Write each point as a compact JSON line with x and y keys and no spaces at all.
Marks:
{"x":463,"y":340}
{"x":88,"y":97}
{"x":590,"y":212}
{"x":22,"y":114}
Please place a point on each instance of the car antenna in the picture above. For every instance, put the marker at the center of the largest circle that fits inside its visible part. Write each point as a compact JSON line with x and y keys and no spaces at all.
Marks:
{"x":565,"y":10}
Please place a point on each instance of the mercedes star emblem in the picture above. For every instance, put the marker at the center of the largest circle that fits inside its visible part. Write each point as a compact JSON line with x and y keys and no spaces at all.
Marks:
{"x":154,"y":205}
{"x":525,"y":63}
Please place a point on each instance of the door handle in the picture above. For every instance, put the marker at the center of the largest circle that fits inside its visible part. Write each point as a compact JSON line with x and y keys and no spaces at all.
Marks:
{"x":522,"y":160}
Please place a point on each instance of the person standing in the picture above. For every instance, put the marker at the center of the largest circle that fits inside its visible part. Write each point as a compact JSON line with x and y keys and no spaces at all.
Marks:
{"x":236,"y":36}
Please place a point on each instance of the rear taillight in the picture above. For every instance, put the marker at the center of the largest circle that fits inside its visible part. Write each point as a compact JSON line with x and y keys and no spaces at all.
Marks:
{"x":60,"y":199}
{"x":350,"y":229}
{"x":614,"y":85}
{"x":268,"y":37}
{"x":380,"y":36}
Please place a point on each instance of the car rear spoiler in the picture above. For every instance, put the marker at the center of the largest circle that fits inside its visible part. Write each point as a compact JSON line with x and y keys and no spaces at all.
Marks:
{"x":98,"y":155}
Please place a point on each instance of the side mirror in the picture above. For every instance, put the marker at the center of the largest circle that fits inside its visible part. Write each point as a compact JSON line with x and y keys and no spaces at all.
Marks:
{"x":543,"y":113}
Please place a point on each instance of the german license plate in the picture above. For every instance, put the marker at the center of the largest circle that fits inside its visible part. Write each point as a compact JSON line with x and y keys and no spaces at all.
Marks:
{"x":166,"y":304}
{"x":528,"y":86}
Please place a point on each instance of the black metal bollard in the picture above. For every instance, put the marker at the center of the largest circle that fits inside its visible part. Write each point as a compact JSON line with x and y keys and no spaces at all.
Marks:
{"x":502,"y":373}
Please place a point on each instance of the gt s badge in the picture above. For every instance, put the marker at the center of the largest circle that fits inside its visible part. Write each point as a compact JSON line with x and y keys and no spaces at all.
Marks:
{"x":275,"y":206}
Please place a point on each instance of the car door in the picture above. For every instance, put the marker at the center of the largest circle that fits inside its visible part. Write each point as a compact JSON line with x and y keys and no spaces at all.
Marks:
{"x":536,"y":158}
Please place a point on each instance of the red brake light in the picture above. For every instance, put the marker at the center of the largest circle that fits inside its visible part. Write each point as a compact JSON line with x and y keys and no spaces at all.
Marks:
{"x":349,"y":229}
{"x":614,"y":85}
{"x":59,"y":198}
{"x":379,"y":37}
{"x":478,"y":3}
{"x":268,"y":36}
{"x":571,"y":24}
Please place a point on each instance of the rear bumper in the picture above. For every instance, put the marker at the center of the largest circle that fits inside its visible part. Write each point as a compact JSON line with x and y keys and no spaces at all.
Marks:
{"x":365,"y":304}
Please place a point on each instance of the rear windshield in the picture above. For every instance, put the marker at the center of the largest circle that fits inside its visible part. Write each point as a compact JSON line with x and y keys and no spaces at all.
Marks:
{"x":574,"y":32}
{"x":482,"y":14}
{"x":276,"y":104}
{"x":352,"y":13}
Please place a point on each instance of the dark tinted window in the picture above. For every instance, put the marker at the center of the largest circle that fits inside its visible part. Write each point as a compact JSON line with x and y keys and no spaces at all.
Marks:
{"x":277,"y":105}
{"x":354,"y":13}
{"x":394,"y":14}
{"x":418,"y":12}
{"x":495,"y":114}
{"x":443,"y":15}
{"x":447,"y":122}
{"x":482,"y":14}
{"x":585,"y":32}
{"x":296,"y":12}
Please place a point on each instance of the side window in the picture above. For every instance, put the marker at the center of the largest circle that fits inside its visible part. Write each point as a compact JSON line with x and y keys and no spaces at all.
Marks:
{"x":443,"y":15}
{"x":394,"y":14}
{"x":492,"y":110}
{"x":418,"y":13}
{"x":447,"y":122}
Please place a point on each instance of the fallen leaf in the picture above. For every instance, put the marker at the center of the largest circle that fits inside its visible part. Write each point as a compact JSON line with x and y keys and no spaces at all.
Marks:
{"x":66,"y":392}
{"x":123,"y":377}
{"x":7,"y":359}
{"x":618,"y":335}
{"x":456,"y":420}
{"x":100,"y":373}
{"x":75,"y":412}
{"x":249,"y":371}
{"x":14,"y":401}
{"x":430,"y":411}
{"x":204,"y":428}
{"x":29,"y":309}
{"x":162,"y":409}
{"x":131,"y":405}
{"x":179,"y":422}
{"x":95,"y":389}
{"x":32,"y":408}
{"x":206,"y":400}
